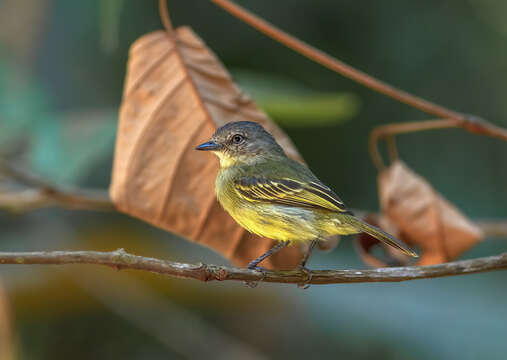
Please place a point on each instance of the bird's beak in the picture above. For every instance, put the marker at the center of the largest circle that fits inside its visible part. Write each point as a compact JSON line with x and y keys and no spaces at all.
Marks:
{"x":207,"y":146}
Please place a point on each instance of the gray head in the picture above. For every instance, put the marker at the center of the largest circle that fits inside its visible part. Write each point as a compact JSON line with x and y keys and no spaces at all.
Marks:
{"x":243,"y":141}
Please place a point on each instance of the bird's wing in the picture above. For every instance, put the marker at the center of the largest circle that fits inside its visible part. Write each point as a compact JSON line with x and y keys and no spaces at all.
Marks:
{"x":291,"y":192}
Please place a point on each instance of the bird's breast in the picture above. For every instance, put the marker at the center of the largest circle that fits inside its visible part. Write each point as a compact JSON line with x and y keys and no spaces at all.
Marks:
{"x":277,"y":222}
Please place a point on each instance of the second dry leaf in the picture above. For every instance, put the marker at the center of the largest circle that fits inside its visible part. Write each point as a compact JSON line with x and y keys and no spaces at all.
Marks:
{"x":412,"y":210}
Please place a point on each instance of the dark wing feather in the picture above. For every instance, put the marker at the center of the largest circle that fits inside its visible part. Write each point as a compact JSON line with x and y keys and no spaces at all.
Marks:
{"x":290,"y":192}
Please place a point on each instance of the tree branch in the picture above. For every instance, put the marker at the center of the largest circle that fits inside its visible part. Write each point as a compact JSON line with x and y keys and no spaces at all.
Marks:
{"x":470,"y":122}
{"x":45,"y":194}
{"x":120,"y":259}
{"x":388,"y":131}
{"x":74,"y":199}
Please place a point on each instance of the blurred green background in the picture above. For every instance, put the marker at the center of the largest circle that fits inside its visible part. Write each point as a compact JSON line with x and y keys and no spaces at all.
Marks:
{"x":62,"y":65}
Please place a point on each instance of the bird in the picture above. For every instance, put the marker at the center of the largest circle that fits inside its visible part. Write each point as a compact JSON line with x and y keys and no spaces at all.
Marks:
{"x":274,"y":196}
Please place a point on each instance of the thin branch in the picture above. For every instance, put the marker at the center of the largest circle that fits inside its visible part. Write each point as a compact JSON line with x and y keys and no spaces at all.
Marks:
{"x":390,"y":130}
{"x":45,"y":194}
{"x":164,"y":16}
{"x":392,"y":148}
{"x":492,"y":228}
{"x":73,"y":199}
{"x":331,"y":62}
{"x":470,"y":122}
{"x":120,"y":259}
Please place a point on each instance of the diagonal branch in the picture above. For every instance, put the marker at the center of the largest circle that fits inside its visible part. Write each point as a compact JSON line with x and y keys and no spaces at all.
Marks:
{"x":44,"y":194}
{"x":470,"y":122}
{"x":74,"y":199}
{"x":388,"y":131}
{"x":120,"y":259}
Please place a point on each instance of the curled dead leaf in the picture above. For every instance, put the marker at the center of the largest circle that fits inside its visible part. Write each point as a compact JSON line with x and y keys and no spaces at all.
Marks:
{"x":412,"y":210}
{"x":176,"y":94}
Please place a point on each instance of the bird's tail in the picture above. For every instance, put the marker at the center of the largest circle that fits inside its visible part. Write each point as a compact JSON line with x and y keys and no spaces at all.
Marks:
{"x":380,"y":235}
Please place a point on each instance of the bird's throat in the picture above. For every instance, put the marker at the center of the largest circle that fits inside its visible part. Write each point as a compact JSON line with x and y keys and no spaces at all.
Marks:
{"x":226,"y":161}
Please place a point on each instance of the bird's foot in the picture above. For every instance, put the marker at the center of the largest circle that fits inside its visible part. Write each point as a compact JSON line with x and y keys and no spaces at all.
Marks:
{"x":253,"y":266}
{"x":308,"y":272}
{"x":258,"y":269}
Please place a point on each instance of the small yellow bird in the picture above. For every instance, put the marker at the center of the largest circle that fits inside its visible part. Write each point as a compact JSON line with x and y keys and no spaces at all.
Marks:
{"x":276,"y":197}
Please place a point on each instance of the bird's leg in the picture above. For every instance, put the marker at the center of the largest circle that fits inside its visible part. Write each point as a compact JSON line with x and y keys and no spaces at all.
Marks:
{"x":302,"y":265}
{"x":307,"y":254}
{"x":253,"y":264}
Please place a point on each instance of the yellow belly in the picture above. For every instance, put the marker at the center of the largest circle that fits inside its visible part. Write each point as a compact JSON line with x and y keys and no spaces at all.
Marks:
{"x":282,"y":223}
{"x":279,"y":222}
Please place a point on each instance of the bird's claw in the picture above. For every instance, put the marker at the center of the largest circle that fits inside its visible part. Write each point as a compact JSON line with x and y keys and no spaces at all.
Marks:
{"x":308,"y":272}
{"x":253,"y":284}
{"x":258,"y":269}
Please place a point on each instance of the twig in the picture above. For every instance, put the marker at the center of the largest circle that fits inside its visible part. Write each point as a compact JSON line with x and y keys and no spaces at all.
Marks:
{"x":45,"y":194}
{"x":31,"y":199}
{"x":470,"y":122}
{"x":389,"y":130}
{"x":119,"y":259}
{"x":331,"y":62}
{"x":492,"y":228}
{"x":391,"y":148}
{"x":164,"y":16}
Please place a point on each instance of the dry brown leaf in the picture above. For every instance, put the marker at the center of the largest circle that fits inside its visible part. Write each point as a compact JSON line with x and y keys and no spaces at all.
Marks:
{"x":176,"y":94}
{"x":418,"y":215}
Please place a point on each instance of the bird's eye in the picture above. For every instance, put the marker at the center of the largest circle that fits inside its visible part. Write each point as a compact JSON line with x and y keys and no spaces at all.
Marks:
{"x":238,"y":139}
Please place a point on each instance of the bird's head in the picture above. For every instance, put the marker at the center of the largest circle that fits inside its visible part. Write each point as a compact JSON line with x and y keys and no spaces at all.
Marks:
{"x":242,"y":142}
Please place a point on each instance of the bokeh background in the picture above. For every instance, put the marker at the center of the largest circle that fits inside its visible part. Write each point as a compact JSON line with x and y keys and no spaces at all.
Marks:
{"x":62,"y":65}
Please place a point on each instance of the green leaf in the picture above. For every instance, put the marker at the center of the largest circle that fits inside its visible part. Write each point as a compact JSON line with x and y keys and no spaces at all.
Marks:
{"x":314,"y":110}
{"x":293,"y":105}
{"x":109,"y":24}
